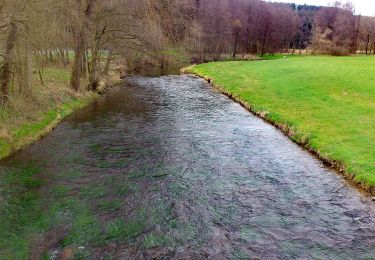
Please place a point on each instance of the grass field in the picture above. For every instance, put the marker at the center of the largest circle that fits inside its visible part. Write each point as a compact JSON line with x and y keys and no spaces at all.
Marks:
{"x":328,"y":103}
{"x":24,"y":119}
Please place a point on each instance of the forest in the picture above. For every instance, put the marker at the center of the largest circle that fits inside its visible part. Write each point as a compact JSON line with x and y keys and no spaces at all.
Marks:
{"x":87,"y":35}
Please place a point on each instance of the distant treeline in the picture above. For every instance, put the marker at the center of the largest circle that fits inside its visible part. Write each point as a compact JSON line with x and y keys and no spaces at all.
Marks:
{"x":87,"y":36}
{"x":259,"y":27}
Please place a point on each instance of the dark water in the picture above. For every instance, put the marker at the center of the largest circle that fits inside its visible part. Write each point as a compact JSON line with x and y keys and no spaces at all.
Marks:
{"x":194,"y":176}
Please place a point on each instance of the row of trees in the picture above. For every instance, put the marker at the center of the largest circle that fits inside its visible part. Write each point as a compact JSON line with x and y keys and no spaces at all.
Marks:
{"x":250,"y":26}
{"x":258,"y":27}
{"x":83,"y":35}
{"x":35,"y":32}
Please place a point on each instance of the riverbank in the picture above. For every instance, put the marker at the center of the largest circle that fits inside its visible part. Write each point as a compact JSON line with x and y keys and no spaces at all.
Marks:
{"x":26,"y":119}
{"x":325,"y":104}
{"x":130,"y":177}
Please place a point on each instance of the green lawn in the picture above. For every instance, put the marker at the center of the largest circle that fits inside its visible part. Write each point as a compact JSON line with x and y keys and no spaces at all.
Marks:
{"x":328,"y":102}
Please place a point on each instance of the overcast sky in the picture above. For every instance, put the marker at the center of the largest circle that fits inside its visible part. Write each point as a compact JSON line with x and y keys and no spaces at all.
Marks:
{"x":364,"y":7}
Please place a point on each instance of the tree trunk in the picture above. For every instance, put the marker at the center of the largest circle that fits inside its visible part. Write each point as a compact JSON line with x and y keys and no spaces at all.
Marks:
{"x":356,"y":33}
{"x":28,"y":65}
{"x":6,"y":69}
{"x":367,"y":43}
{"x":84,"y":63}
{"x":79,"y":46}
{"x":62,"y":57}
{"x":75,"y":81}
{"x":93,"y":77}
{"x":40,"y":65}
{"x":45,"y":55}
{"x":67,"y":58}
{"x":50,"y":55}
{"x":235,"y":45}
{"x":87,"y":60}
{"x":108,"y":62}
{"x":263,"y":49}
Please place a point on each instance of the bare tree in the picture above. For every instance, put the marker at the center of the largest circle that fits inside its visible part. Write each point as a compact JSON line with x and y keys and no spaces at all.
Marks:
{"x":80,"y":26}
{"x":6,"y":68}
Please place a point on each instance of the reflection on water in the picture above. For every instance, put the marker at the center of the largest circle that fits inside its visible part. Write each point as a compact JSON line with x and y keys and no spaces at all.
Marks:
{"x":172,"y":68}
{"x":168,"y":168}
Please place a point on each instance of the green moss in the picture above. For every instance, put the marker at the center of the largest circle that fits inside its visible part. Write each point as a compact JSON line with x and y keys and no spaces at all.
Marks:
{"x":328,"y":101}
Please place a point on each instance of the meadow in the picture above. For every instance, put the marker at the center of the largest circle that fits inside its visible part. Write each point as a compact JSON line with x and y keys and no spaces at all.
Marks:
{"x":325,"y":103}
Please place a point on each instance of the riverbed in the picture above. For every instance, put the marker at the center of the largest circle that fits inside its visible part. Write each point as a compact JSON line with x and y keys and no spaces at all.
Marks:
{"x":167,"y":167}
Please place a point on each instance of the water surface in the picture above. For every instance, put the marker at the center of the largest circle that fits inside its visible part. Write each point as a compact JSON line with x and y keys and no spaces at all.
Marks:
{"x":169,"y":168}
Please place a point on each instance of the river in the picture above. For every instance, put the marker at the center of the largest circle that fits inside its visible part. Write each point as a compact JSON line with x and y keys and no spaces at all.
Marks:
{"x":167,"y":167}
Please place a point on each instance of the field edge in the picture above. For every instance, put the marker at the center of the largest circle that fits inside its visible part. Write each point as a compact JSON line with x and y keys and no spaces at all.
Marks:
{"x":287,"y":130}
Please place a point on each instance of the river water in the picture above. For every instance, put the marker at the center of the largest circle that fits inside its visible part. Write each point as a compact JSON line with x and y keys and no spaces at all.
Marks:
{"x":169,"y":168}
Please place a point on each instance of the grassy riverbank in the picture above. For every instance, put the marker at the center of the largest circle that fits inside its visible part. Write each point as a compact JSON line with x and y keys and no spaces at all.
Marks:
{"x":324,"y":103}
{"x":25,"y":118}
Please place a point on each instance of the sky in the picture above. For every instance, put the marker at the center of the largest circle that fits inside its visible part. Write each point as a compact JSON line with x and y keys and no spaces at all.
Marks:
{"x":363,"y":7}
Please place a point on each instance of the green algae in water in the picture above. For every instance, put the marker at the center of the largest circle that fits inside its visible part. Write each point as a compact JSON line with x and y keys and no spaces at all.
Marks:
{"x":250,"y":234}
{"x":239,"y":255}
{"x":75,"y":158}
{"x":22,"y":211}
{"x":94,"y":191}
{"x":117,"y":149}
{"x":104,"y":164}
{"x":225,"y":214}
{"x":72,"y":174}
{"x":124,"y":188}
{"x":179,"y":188}
{"x":85,"y":230}
{"x":60,"y":191}
{"x":160,"y":175}
{"x":119,"y":230}
{"x":154,"y":240}
{"x":134,"y":175}
{"x":110,"y":205}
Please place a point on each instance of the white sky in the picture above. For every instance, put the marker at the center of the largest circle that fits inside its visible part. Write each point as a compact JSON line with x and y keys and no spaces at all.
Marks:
{"x":363,"y":7}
